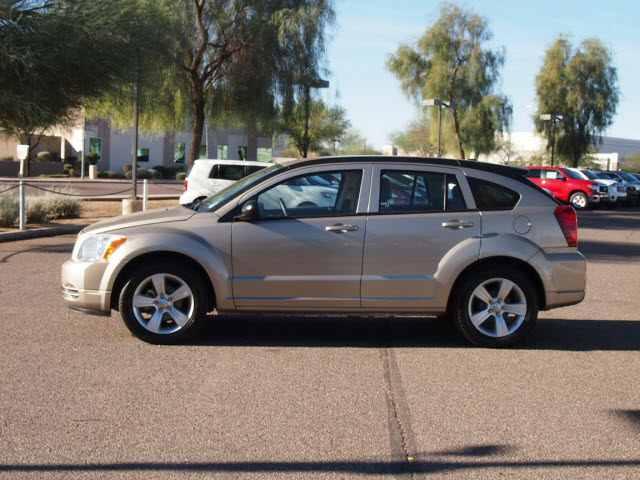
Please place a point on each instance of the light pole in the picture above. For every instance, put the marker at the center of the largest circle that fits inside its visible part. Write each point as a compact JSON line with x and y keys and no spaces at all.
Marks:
{"x":336,"y":142}
{"x":308,"y":84}
{"x":554,"y":119}
{"x":434,"y":102}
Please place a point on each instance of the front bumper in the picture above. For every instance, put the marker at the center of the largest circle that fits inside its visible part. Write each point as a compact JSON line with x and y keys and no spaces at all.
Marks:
{"x":81,"y":285}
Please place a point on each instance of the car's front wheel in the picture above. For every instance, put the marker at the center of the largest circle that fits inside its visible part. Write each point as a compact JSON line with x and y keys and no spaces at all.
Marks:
{"x":163,"y":303}
{"x":579,"y":200}
{"x":495,"y":308}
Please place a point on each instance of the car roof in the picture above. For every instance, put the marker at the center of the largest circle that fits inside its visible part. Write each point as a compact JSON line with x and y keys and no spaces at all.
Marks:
{"x":516,"y":173}
{"x":233,"y":162}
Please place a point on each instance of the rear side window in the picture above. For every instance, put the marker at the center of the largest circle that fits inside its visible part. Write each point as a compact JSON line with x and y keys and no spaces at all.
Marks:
{"x":419,"y":192}
{"x":227,"y":172}
{"x":253,"y":169}
{"x":491,"y":196}
{"x":533,"y":173}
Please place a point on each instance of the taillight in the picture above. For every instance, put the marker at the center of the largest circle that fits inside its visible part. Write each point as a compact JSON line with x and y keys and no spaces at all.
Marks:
{"x":568,"y":221}
{"x":186,"y":183}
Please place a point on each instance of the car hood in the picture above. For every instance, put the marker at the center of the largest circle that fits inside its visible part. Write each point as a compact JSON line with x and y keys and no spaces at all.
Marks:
{"x":159,"y":215}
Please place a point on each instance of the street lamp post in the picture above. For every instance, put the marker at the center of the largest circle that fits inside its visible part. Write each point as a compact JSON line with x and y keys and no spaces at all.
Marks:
{"x":336,"y":142}
{"x":308,"y":84}
{"x":434,"y":102}
{"x":554,"y":119}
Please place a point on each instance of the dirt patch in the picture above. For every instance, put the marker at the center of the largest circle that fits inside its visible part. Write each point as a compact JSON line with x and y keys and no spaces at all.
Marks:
{"x":94,"y":211}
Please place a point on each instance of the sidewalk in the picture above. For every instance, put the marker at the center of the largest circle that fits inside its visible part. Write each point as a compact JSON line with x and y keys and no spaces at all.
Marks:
{"x":40,"y":233}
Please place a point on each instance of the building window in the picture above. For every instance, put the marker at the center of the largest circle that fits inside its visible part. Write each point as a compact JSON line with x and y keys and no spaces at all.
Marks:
{"x":203,"y":151}
{"x":265,"y":154}
{"x":95,"y":148}
{"x":179,"y":153}
{"x":143,"y":155}
{"x":242,"y":153}
{"x":223,"y":152}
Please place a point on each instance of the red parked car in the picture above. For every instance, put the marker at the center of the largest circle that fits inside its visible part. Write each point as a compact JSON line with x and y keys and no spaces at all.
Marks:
{"x":569,"y":187}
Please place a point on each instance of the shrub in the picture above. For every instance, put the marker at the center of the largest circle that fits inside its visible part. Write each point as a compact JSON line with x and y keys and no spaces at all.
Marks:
{"x":68,"y":166}
{"x":9,"y":213}
{"x":36,"y":210}
{"x":127,"y":167}
{"x":141,"y":174}
{"x":59,"y":205}
{"x":114,"y":175}
{"x":6,"y":158}
{"x":154,"y":173}
{"x":181,"y":176}
{"x":161,"y":171}
{"x":43,"y":157}
{"x":93,"y":158}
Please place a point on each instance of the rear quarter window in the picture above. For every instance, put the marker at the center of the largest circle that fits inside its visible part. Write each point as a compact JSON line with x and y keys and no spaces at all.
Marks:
{"x":491,"y":196}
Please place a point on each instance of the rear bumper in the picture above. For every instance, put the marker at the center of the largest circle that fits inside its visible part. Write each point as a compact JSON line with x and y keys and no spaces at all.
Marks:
{"x":564,"y":277}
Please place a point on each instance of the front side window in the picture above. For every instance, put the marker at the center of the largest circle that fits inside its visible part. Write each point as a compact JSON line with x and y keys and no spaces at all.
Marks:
{"x":419,"y":192}
{"x":491,"y":196}
{"x":552,"y":175}
{"x":312,"y":195}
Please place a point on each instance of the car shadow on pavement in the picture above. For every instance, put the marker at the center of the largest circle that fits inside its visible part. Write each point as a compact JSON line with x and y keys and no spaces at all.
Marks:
{"x":610,"y":251}
{"x":406,"y":332}
{"x":620,"y":219}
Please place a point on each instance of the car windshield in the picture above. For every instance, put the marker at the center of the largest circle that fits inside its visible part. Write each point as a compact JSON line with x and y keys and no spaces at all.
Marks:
{"x":590,"y":175}
{"x":627,"y":176}
{"x":571,"y":174}
{"x":223,"y":196}
{"x":604,"y":176}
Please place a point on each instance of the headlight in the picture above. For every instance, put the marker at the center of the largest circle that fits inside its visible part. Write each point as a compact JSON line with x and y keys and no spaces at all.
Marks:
{"x":595,"y":188}
{"x":95,"y":249}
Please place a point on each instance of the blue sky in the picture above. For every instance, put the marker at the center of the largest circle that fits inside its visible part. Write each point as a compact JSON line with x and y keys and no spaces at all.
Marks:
{"x":366,"y":32}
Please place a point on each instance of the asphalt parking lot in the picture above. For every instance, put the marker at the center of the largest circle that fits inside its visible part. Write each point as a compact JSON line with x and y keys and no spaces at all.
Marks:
{"x":333,"y":398}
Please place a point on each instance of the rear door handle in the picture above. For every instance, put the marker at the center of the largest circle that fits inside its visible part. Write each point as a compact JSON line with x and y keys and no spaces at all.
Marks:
{"x":457,"y":224}
{"x":341,"y":228}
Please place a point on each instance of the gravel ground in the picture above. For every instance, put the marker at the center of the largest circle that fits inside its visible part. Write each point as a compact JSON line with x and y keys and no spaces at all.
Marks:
{"x":93,"y":211}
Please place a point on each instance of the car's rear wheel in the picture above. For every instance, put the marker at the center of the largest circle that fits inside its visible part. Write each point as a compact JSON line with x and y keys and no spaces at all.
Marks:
{"x":579,"y":200}
{"x":163,"y":303}
{"x":495,"y":308}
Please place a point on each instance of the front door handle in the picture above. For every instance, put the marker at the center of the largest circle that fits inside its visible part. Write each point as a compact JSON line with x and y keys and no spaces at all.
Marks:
{"x":457,"y":224}
{"x":341,"y":228}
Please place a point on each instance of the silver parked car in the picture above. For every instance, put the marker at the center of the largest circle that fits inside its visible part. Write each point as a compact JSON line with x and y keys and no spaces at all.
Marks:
{"x":475,"y":242}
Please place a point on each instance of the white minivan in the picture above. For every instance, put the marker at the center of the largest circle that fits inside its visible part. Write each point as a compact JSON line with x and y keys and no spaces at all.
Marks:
{"x":210,"y":176}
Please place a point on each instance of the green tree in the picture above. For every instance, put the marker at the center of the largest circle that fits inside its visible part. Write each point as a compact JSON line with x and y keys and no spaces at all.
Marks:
{"x":56,"y":54}
{"x":451,"y":62}
{"x":416,"y":139}
{"x":233,"y":62}
{"x":581,"y":85}
{"x":326,"y":124}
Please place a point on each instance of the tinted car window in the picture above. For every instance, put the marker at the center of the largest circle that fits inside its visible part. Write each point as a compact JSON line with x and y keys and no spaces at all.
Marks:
{"x":417,"y":192}
{"x":533,"y":173}
{"x":227,"y":172}
{"x":312,"y":195}
{"x":253,"y":169}
{"x":491,"y":196}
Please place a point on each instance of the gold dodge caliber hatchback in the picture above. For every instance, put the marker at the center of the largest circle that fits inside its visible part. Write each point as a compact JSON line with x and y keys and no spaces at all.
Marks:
{"x":476,"y":242}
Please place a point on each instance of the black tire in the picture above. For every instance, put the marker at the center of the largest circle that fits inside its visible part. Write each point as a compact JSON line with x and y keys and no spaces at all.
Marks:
{"x":579,"y":200}
{"x":158,"y":317}
{"x":505,"y":317}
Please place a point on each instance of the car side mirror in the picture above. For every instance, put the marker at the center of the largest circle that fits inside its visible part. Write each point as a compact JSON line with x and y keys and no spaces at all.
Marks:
{"x":250,"y":211}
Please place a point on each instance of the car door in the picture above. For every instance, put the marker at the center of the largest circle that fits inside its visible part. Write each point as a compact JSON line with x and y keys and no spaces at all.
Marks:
{"x":556,"y":182}
{"x":422,"y":218}
{"x":304,"y":251}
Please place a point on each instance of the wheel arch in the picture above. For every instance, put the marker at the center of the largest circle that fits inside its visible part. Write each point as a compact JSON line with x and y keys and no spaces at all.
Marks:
{"x":162,"y":256}
{"x":521,"y":265}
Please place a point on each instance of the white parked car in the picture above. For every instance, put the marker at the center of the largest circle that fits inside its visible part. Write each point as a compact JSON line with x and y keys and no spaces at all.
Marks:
{"x":617,"y":191}
{"x":210,"y":176}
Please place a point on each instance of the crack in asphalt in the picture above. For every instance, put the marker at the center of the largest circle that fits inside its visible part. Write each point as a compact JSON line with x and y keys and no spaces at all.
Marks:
{"x":403,"y":444}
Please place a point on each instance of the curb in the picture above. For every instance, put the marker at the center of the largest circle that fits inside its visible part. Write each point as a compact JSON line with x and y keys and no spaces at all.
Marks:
{"x":40,"y":233}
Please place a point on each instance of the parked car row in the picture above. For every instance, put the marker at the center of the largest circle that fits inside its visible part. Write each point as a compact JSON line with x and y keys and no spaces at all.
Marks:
{"x":584,"y":188}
